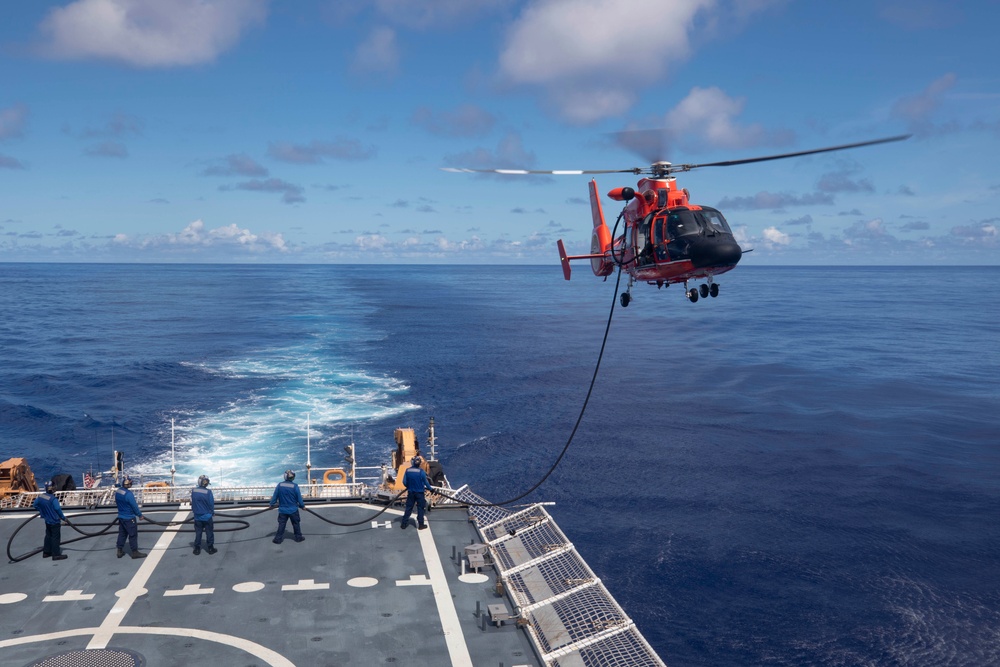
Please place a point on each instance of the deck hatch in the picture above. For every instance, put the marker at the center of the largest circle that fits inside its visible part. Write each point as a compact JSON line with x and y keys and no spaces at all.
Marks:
{"x":102,"y":657}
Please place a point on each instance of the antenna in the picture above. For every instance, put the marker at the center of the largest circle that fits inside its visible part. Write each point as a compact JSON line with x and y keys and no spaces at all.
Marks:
{"x":308,"y":452}
{"x":173,"y":469}
{"x":432,"y":441}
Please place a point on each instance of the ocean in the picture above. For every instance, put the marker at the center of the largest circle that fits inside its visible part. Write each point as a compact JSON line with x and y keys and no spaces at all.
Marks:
{"x":804,"y":470}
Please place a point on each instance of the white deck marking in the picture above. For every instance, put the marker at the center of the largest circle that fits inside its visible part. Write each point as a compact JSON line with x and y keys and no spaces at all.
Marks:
{"x":136,"y":587}
{"x":384,"y":524}
{"x":249,"y":587}
{"x":362,"y":582}
{"x":11,"y":598}
{"x":415,"y":580}
{"x":272,"y":658}
{"x":189,"y":589}
{"x":305,"y":585}
{"x":69,"y":596}
{"x":453,"y":635}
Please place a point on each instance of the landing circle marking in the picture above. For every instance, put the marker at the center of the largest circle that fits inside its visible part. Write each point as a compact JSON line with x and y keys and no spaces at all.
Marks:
{"x":11,"y":598}
{"x":248,"y":587}
{"x":362,"y":582}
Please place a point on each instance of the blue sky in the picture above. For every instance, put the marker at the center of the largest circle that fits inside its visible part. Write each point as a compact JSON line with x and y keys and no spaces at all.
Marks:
{"x":314,"y":131}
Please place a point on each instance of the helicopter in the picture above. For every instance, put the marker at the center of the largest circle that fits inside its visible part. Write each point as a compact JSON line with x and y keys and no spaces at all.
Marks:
{"x":666,"y":239}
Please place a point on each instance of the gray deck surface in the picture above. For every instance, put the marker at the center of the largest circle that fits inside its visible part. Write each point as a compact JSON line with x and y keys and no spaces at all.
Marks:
{"x":363,"y":595}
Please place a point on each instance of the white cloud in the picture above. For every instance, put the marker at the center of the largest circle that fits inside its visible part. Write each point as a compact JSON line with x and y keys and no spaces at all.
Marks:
{"x":467,"y":120}
{"x":433,"y":13}
{"x":510,"y":154}
{"x":591,"y":56}
{"x":378,"y":53}
{"x":918,"y":108}
{"x":709,"y":115}
{"x":196,"y":236}
{"x":8,"y":162}
{"x":315,"y":151}
{"x":372,"y":242}
{"x":149,"y":33}
{"x":984,"y":233}
{"x":774,"y":237}
{"x":12,"y":121}
{"x":290,"y":193}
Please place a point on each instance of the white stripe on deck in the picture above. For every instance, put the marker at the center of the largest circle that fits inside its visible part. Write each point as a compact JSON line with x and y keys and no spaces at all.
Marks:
{"x":136,"y":587}
{"x":453,"y":635}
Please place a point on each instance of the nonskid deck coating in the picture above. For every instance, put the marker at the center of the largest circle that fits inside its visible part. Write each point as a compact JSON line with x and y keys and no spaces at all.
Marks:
{"x":364,"y":595}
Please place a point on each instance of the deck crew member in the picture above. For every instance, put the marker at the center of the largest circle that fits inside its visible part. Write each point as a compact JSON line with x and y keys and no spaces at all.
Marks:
{"x":203,"y":509}
{"x":128,"y":515}
{"x":48,"y":507}
{"x":415,"y":481}
{"x":288,"y":499}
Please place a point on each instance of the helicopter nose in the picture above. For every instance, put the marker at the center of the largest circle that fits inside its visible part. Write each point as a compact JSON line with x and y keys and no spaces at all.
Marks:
{"x":715,"y":253}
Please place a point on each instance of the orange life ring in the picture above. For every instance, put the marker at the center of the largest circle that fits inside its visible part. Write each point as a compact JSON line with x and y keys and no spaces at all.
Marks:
{"x":339,"y":473}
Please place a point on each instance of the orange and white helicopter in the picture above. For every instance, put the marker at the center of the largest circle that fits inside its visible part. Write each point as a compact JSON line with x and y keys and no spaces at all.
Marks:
{"x":666,"y":239}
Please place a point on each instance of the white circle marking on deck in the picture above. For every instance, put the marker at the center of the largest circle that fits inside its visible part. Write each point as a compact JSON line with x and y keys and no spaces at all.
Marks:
{"x":248,"y":587}
{"x":362,"y":582}
{"x":11,"y":598}
{"x":473,"y":578}
{"x":128,"y":591}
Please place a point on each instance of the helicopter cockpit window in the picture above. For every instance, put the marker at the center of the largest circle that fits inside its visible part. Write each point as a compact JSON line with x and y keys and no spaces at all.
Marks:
{"x":682,"y":223}
{"x":714,"y":221}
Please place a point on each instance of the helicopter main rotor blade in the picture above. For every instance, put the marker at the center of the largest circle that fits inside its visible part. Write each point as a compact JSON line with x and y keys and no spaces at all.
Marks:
{"x":523,"y":172}
{"x":730,"y":163}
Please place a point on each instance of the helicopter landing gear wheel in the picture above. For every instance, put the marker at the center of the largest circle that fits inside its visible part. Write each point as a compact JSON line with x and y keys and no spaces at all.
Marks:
{"x":704,"y":291}
{"x":626,"y":298}
{"x":692,"y":294}
{"x":713,"y":290}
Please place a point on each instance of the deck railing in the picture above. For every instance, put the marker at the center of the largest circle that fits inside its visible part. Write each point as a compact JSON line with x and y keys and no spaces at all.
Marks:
{"x":565,"y":609}
{"x":146,"y":495}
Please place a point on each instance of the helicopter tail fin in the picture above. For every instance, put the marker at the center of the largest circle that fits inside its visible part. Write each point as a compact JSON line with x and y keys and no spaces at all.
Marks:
{"x":600,"y":240}
{"x":595,"y":205}
{"x":564,"y":258}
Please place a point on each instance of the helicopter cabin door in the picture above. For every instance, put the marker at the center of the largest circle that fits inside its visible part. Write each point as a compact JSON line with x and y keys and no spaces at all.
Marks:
{"x":643,"y":247}
{"x":660,"y":239}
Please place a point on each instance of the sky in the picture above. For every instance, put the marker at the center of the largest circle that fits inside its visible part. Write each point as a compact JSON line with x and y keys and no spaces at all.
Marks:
{"x":315,"y":131}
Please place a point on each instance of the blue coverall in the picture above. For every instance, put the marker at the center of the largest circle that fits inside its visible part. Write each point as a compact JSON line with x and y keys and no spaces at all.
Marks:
{"x":48,"y":506}
{"x":288,"y":498}
{"x":203,"y":509}
{"x":128,"y":512}
{"x":415,"y":481}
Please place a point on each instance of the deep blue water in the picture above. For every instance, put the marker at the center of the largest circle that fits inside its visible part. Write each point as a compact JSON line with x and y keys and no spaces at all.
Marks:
{"x":805,"y":470}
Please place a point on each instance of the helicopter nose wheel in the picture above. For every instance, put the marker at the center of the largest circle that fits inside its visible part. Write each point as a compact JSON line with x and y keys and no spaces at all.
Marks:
{"x":626,"y":298}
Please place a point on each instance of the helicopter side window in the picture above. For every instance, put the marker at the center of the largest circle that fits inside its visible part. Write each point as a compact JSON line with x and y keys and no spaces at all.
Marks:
{"x":714,"y":221}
